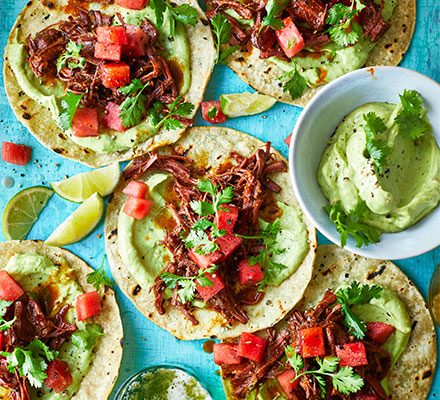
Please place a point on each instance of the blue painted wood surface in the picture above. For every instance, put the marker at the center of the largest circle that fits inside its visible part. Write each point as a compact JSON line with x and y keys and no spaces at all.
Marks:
{"x":146,"y":344}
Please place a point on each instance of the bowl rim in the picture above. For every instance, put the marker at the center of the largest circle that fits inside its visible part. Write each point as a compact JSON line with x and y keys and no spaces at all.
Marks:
{"x":366,"y":251}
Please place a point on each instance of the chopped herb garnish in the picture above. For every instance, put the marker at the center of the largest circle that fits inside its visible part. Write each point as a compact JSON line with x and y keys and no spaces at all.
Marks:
{"x":212,"y":112}
{"x":188,"y":285}
{"x":296,"y":85}
{"x":345,"y":380}
{"x":219,"y":197}
{"x":31,"y":361}
{"x":72,"y":52}
{"x":87,"y":338}
{"x":3,"y":309}
{"x":345,"y":30}
{"x":176,"y":108}
{"x":353,"y":224}
{"x":99,"y":278}
{"x":271,"y":19}
{"x":410,"y":120}
{"x":69,"y":104}
{"x":222,"y":34}
{"x":294,"y":359}
{"x":356,"y":294}
{"x":132,"y":109}
{"x":202,"y":242}
{"x":269,"y":237}
{"x":183,"y":13}
{"x":378,"y":149}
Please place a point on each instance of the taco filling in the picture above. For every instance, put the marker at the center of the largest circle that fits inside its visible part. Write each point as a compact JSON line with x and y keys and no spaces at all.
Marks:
{"x":344,"y":348}
{"x":110,"y":80}
{"x":313,"y":41}
{"x":47,"y":334}
{"x":202,"y":238}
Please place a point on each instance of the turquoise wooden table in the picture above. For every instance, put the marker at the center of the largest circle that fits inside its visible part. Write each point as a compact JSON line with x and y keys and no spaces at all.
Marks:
{"x":145,"y":344}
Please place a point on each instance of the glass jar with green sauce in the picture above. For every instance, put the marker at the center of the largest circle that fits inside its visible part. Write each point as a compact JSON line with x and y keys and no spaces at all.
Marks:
{"x":163,"y":382}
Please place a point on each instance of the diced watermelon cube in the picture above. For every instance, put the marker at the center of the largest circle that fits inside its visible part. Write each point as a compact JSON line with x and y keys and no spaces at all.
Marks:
{"x":115,"y":75}
{"x":351,"y":354}
{"x":252,"y":347}
{"x":379,"y":332}
{"x":111,"y":52}
{"x":210,"y":291}
{"x":216,"y":109}
{"x":59,"y":377}
{"x":9,"y":289}
{"x":132,"y":4}
{"x":204,"y":261}
{"x":85,"y":122}
{"x":289,"y":38}
{"x":226,"y":353}
{"x":137,"y":40}
{"x":227,"y":219}
{"x":228,"y":244}
{"x":288,"y":139}
{"x":87,"y":305}
{"x":312,"y":342}
{"x":136,"y":189}
{"x":111,"y":118}
{"x":249,"y":274}
{"x":111,"y":35}
{"x":137,"y":208}
{"x":285,"y":380}
{"x":17,"y":154}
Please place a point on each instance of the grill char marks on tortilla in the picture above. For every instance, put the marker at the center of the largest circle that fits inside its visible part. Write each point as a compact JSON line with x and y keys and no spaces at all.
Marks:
{"x":31,"y":323}
{"x":252,"y":190}
{"x":49,"y":44}
{"x":328,"y":316}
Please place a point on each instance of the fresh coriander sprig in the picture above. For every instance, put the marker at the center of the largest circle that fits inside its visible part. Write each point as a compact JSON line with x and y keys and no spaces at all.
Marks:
{"x":294,"y":359}
{"x":168,"y":121}
{"x":31,"y":361}
{"x":212,"y":112}
{"x":296,"y":85}
{"x":188,"y":284}
{"x":344,"y":380}
{"x":356,"y":294}
{"x":132,"y":109}
{"x":200,"y":241}
{"x":222,"y":34}
{"x":353,"y":224}
{"x":99,"y":278}
{"x":345,"y":30}
{"x":378,"y":149}
{"x":219,"y":197}
{"x":72,"y":52}
{"x":183,"y":13}
{"x":410,"y":119}
{"x":269,"y":237}
{"x":273,"y":10}
{"x":3,"y":309}
{"x":69,"y":104}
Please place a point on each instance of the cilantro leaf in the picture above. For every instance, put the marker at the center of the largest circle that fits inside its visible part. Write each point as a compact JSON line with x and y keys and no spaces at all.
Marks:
{"x":3,"y":309}
{"x":132,"y":109}
{"x":185,"y":14}
{"x":353,"y":224}
{"x":294,"y":359}
{"x":356,"y":295}
{"x":204,"y":208}
{"x":72,"y":52}
{"x":159,"y":7}
{"x":345,"y":380}
{"x":222,"y":34}
{"x":176,"y":108}
{"x":188,"y":284}
{"x":212,"y":112}
{"x":69,"y":104}
{"x":296,"y":85}
{"x":86,"y":339}
{"x":410,"y":119}
{"x":99,"y":277}
{"x":31,"y":361}
{"x":273,"y":10}
{"x":377,"y":149}
{"x":200,"y":241}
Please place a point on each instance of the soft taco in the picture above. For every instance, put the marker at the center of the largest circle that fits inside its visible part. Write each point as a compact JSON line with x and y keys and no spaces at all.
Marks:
{"x":361,"y":332}
{"x":99,"y":83}
{"x":60,"y":337}
{"x":289,"y":48}
{"x":206,"y":237}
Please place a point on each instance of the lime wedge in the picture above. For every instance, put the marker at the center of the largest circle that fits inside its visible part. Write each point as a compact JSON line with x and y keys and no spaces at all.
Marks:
{"x":80,"y":187}
{"x":23,"y":210}
{"x":80,"y":223}
{"x":242,"y":104}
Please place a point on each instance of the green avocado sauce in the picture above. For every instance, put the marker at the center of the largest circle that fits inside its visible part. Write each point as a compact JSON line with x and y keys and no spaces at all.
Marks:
{"x":164,"y":384}
{"x":56,"y":286}
{"x":141,"y":251}
{"x":176,"y":50}
{"x":388,"y":309}
{"x":409,"y":188}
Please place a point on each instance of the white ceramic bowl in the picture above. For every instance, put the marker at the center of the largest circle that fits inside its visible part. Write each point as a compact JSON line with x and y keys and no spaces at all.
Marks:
{"x":318,"y":122}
